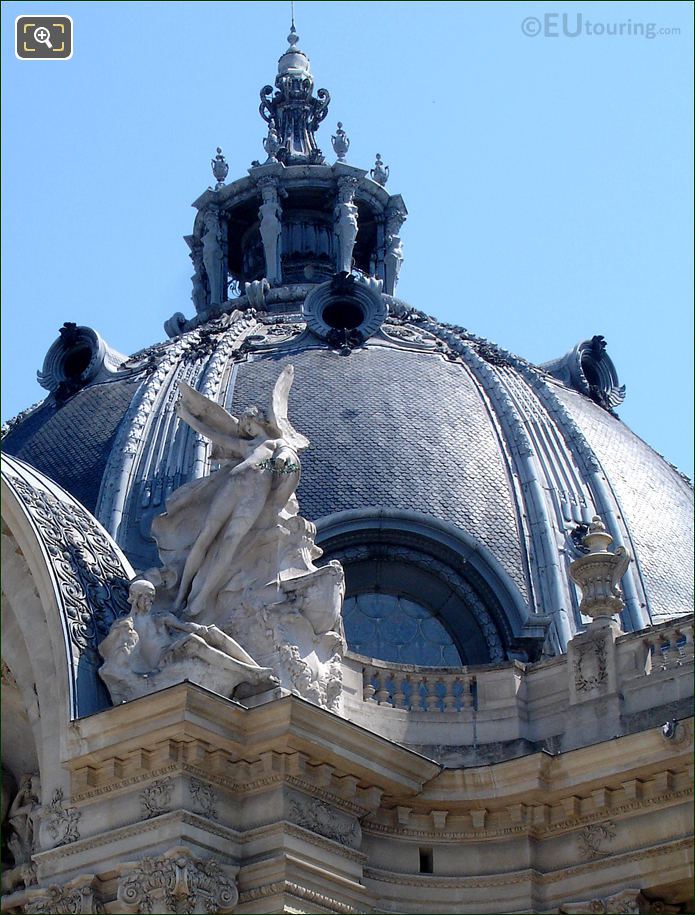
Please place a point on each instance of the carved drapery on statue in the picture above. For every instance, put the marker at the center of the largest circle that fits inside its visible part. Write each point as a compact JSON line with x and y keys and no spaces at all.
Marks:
{"x":239,"y":578}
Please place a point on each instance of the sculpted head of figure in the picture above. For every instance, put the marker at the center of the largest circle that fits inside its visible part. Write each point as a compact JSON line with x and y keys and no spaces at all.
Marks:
{"x":141,"y":595}
{"x":211,"y":220}
{"x":253,"y":423}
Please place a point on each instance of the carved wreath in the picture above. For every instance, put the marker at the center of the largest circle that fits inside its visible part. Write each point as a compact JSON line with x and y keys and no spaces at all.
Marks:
{"x":586,"y":684}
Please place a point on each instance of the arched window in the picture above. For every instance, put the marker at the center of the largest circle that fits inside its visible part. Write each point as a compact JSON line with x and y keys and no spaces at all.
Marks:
{"x":412,"y":600}
{"x":394,"y":628}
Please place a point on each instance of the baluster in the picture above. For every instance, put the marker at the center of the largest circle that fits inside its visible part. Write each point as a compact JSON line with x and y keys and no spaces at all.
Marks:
{"x":684,"y":646}
{"x":399,"y":697}
{"x":409,"y":693}
{"x":367,"y":688}
{"x":466,"y":693}
{"x":382,"y":692}
{"x":439,"y":690}
{"x":432,"y":699}
{"x":419,"y":697}
{"x":664,"y":649}
{"x":449,"y":694}
{"x":679,"y":642}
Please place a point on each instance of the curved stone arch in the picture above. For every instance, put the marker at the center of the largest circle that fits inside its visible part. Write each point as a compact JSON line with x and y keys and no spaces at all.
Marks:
{"x":512,"y":614}
{"x":22,"y":727}
{"x":482,"y":643}
{"x":66,"y":581}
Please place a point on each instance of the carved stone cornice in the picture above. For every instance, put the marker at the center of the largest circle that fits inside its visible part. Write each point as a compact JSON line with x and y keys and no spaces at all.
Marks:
{"x":511,"y":878}
{"x":283,"y":887}
{"x":265,"y":830}
{"x":525,"y":875}
{"x":224,"y":770}
{"x":539,"y":821}
{"x":173,"y":819}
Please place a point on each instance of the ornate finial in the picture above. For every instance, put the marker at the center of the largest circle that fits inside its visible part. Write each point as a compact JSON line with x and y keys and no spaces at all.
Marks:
{"x":297,"y":112}
{"x":220,"y":169}
{"x":341,"y":143}
{"x":272,"y":144}
{"x":597,"y":540}
{"x":380,"y":172}
{"x":598,"y":574}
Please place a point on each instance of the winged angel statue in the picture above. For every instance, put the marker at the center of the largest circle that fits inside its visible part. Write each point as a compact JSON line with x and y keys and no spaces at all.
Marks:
{"x":237,"y":556}
{"x":217,"y":521}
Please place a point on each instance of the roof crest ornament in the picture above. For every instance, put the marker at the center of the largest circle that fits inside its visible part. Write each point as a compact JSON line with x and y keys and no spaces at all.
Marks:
{"x":220,"y":169}
{"x":292,"y":111}
{"x":341,"y":142}
{"x":380,"y":172}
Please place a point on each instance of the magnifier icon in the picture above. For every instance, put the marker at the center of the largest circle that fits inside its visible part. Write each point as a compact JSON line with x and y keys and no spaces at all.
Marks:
{"x":43,"y":36}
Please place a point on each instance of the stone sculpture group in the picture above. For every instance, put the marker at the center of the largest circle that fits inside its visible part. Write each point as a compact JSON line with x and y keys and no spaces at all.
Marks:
{"x":238,"y":605}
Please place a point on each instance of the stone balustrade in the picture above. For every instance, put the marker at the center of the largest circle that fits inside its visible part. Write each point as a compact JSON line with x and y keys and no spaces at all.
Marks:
{"x":669,"y":645}
{"x":602,"y":688}
{"x":431,"y":689}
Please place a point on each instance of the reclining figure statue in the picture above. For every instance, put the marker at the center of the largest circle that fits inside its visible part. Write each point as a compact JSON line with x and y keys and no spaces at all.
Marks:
{"x":146,"y":651}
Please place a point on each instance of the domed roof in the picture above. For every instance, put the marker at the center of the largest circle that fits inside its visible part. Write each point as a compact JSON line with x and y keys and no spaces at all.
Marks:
{"x":442,"y":469}
{"x":423,"y":437}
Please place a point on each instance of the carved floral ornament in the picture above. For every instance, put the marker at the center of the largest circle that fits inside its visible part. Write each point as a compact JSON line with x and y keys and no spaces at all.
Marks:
{"x":176,"y":882}
{"x":89,"y":573}
{"x":625,"y":902}
{"x":61,"y":821}
{"x":77,"y":896}
{"x":319,"y":817}
{"x":156,"y":798}
{"x":591,"y":665}
{"x":204,"y":798}
{"x":594,"y":838}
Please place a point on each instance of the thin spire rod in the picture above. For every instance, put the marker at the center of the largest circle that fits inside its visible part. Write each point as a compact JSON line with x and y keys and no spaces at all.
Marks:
{"x":292,"y":8}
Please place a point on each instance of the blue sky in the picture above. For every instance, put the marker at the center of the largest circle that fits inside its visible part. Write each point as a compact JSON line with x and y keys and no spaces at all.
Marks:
{"x":548,"y":178}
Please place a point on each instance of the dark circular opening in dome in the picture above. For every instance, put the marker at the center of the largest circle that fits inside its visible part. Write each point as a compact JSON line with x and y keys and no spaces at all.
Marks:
{"x":343,"y":314}
{"x":76,"y":360}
